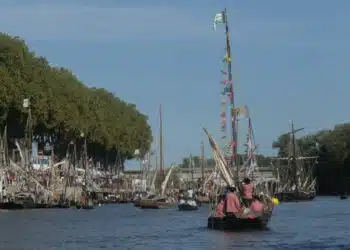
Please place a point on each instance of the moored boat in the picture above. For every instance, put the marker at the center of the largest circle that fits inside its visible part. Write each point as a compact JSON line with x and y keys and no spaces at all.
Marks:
{"x":187,"y":205}
{"x":160,"y":203}
{"x":295,"y":196}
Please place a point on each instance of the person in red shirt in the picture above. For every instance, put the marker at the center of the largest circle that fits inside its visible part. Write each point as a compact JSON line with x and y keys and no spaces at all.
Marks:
{"x":232,"y":204}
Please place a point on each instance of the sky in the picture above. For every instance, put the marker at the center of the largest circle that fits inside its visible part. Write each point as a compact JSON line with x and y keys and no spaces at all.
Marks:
{"x":290,"y":60}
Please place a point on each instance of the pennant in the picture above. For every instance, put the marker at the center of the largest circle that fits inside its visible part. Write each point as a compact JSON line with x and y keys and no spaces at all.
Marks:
{"x":228,"y":88}
{"x":223,"y":72}
{"x":219,"y":18}
{"x":240,"y":112}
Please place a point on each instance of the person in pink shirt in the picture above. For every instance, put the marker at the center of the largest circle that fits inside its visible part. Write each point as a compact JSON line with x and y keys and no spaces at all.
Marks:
{"x":257,"y":207}
{"x":232,"y":204}
{"x":220,"y":207}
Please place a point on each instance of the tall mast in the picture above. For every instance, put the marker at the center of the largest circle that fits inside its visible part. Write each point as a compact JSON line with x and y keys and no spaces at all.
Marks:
{"x":191,"y":168}
{"x":228,"y":61}
{"x":293,"y":156}
{"x":202,"y":164}
{"x":161,"y":153}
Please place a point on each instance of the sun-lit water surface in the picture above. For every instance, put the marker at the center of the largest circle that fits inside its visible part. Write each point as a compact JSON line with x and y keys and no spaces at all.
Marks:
{"x":321,"y":224}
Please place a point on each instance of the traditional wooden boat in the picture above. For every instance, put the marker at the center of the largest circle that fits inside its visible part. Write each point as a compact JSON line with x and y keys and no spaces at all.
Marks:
{"x":161,"y":203}
{"x":23,"y":200}
{"x":295,"y":196}
{"x":232,"y":223}
{"x":343,"y":196}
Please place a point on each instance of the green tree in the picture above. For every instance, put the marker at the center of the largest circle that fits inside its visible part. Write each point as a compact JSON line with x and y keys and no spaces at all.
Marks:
{"x":63,"y":107}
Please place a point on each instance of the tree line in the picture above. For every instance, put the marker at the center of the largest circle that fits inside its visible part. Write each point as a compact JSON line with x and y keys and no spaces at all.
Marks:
{"x":332,"y":147}
{"x":64,"y":109}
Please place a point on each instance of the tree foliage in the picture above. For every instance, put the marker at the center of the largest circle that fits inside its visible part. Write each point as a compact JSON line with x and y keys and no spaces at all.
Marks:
{"x":63,"y":107}
{"x":333,"y":150}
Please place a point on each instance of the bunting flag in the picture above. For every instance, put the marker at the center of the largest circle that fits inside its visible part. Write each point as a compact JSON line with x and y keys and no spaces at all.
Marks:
{"x":227,"y":58}
{"x":239,"y":113}
{"x":219,"y":18}
{"x":223,"y":72}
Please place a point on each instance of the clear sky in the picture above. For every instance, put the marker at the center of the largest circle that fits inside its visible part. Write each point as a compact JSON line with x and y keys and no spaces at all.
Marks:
{"x":291,"y":59}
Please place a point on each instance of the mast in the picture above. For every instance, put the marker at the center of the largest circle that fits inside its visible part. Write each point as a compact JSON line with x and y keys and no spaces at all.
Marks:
{"x":293,"y":156}
{"x":229,"y":91}
{"x":191,"y":168}
{"x":86,"y":165}
{"x":161,"y":153}
{"x":202,"y":164}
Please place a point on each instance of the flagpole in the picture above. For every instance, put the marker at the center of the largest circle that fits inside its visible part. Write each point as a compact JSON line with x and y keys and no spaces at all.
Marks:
{"x":234,"y":159}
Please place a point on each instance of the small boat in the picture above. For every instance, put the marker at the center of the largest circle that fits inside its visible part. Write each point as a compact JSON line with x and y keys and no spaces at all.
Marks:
{"x":160,"y":203}
{"x":232,"y":223}
{"x":187,"y":205}
{"x":344,"y":197}
{"x":295,"y":196}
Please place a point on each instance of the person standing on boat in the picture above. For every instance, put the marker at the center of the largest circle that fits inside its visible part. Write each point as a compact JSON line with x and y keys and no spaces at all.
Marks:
{"x":248,"y":190}
{"x":220,"y":207}
{"x":232,"y":205}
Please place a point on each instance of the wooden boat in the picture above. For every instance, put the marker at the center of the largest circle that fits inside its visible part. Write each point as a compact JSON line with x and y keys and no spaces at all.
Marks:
{"x":137,"y":203}
{"x":299,"y":182}
{"x":232,"y":223}
{"x":22,"y":200}
{"x":344,"y":197}
{"x":187,"y":205}
{"x":161,"y":203}
{"x":295,"y":196}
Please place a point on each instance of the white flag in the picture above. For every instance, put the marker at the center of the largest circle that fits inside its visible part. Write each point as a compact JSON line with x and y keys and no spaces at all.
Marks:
{"x":219,"y":18}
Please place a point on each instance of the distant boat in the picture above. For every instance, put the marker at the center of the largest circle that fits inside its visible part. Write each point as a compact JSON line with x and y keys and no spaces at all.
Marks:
{"x":300,"y":183}
{"x":187,"y":205}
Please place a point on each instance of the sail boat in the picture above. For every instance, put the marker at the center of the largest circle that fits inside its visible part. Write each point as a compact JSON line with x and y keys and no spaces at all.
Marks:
{"x":228,"y":165}
{"x":298,"y":177}
{"x":250,"y":167}
{"x":160,"y":201}
{"x":87,"y":200}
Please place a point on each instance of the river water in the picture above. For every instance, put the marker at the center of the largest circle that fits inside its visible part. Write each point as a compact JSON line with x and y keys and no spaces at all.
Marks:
{"x":320,"y":224}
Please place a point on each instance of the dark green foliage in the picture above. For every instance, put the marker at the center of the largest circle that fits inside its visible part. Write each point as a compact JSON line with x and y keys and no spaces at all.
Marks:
{"x":333,"y":150}
{"x":63,"y":107}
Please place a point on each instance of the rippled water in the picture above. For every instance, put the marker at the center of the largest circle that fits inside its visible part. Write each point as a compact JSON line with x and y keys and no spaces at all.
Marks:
{"x":321,"y":224}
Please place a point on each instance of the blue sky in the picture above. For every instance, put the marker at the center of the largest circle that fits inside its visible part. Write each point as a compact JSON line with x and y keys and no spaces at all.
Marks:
{"x":291,"y":59}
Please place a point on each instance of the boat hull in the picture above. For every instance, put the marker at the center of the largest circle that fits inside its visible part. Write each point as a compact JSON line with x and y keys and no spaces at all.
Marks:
{"x":343,"y":197}
{"x":187,"y":207}
{"x":231,"y":223}
{"x":294,"y":197}
{"x":137,"y":203}
{"x":155,"y":205}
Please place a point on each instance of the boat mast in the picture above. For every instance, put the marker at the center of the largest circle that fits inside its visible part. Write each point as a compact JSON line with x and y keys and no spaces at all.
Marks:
{"x":202,"y":165}
{"x":86,"y":165}
{"x":293,"y":156}
{"x":233,"y":161}
{"x":191,"y":169}
{"x":161,"y":153}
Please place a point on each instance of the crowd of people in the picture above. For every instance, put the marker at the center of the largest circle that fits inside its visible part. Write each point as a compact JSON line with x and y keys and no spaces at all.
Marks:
{"x":245,"y":205}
